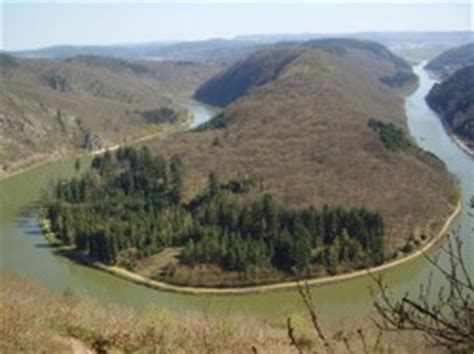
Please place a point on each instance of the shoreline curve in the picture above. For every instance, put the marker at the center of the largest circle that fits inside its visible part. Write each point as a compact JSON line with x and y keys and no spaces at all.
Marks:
{"x":140,"y":139}
{"x":282,"y":286}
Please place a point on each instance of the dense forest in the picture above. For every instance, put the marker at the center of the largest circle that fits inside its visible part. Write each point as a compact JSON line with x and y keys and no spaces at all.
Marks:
{"x":129,"y":205}
{"x":454,"y":100}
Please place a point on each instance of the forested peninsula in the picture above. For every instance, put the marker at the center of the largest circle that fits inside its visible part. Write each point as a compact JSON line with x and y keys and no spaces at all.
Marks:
{"x":250,"y":242}
{"x":266,"y":192}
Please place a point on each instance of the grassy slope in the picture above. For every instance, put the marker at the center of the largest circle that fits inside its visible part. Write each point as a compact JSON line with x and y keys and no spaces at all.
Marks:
{"x":46,"y":106}
{"x":36,"y":320}
{"x":304,"y":137}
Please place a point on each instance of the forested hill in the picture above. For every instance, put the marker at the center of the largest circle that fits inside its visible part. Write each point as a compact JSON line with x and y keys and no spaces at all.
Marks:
{"x":52,"y":107}
{"x":320,"y":124}
{"x":266,"y":65}
{"x":452,"y":60}
{"x":254,"y":71}
{"x":129,"y":206}
{"x":454,"y":100}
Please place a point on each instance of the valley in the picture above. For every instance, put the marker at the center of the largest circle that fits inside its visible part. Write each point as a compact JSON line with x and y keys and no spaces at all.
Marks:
{"x":23,"y":234}
{"x":87,"y":103}
{"x":290,"y":192}
{"x":270,"y":70}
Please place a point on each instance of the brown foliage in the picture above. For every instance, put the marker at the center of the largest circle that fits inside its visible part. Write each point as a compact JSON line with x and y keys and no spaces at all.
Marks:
{"x":304,"y":137}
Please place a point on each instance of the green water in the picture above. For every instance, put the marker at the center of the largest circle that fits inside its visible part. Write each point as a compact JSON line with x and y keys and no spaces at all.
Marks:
{"x":24,"y":250}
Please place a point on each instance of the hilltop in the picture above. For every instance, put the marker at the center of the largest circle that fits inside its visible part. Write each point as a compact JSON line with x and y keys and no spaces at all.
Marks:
{"x":452,"y":60}
{"x":454,"y":101}
{"x":266,"y":66}
{"x":52,"y":107}
{"x":317,"y":124}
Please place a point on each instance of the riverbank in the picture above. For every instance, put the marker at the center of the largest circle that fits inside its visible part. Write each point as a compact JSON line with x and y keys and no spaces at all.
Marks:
{"x":457,"y":140}
{"x":462,"y":145}
{"x":53,"y":157}
{"x":259,"y":289}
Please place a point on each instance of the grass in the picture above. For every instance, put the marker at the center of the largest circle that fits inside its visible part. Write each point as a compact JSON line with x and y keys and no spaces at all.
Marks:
{"x":36,"y":320}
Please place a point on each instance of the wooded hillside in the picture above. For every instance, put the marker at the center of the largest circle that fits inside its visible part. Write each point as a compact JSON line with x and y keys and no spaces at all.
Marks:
{"x":53,"y":107}
{"x":454,"y":100}
{"x":448,"y":62}
{"x":301,"y":128}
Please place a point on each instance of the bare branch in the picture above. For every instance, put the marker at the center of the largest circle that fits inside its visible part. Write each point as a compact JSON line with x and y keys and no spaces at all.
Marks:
{"x":291,"y":335}
{"x":447,"y":321}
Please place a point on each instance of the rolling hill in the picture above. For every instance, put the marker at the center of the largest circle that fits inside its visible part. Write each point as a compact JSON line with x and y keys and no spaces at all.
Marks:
{"x":212,"y":50}
{"x":266,"y":66}
{"x":454,"y":100}
{"x":229,"y":50}
{"x":51,"y":107}
{"x":320,"y":123}
{"x":452,"y":60}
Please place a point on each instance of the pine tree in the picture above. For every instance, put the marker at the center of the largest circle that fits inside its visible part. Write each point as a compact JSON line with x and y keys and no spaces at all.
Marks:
{"x":176,"y":171}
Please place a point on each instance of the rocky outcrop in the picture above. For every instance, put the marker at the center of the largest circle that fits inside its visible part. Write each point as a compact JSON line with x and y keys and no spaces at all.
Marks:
{"x":92,"y":141}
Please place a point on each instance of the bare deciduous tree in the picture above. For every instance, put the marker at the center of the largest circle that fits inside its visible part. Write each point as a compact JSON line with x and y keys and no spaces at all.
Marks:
{"x":446,"y":321}
{"x":305,"y":294}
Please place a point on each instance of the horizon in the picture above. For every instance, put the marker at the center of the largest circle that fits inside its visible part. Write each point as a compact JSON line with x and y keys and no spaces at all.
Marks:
{"x":320,"y":35}
{"x":34,"y":26}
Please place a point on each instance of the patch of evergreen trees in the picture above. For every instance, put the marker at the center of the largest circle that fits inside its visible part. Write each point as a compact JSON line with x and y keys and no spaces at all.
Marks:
{"x":129,"y":206}
{"x":161,"y":115}
{"x":392,"y":137}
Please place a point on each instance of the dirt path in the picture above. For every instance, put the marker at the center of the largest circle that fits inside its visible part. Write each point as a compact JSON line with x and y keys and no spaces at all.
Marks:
{"x":6,"y":175}
{"x":136,"y":278}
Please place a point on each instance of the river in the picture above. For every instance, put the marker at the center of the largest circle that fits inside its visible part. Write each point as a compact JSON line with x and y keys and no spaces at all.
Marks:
{"x":24,"y":250}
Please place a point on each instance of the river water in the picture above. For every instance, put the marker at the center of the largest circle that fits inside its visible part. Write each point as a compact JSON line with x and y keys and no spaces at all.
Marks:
{"x":24,"y":250}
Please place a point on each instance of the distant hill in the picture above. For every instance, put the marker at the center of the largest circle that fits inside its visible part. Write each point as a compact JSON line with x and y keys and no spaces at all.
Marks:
{"x":452,"y":60}
{"x":393,"y":40}
{"x":320,"y":123}
{"x":213,"y":50}
{"x":266,"y":65}
{"x":230,"y":50}
{"x":50,"y":107}
{"x":454,"y":100}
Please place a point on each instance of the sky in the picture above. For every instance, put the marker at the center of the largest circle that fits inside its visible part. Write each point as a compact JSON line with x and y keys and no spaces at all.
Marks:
{"x":33,"y":24}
